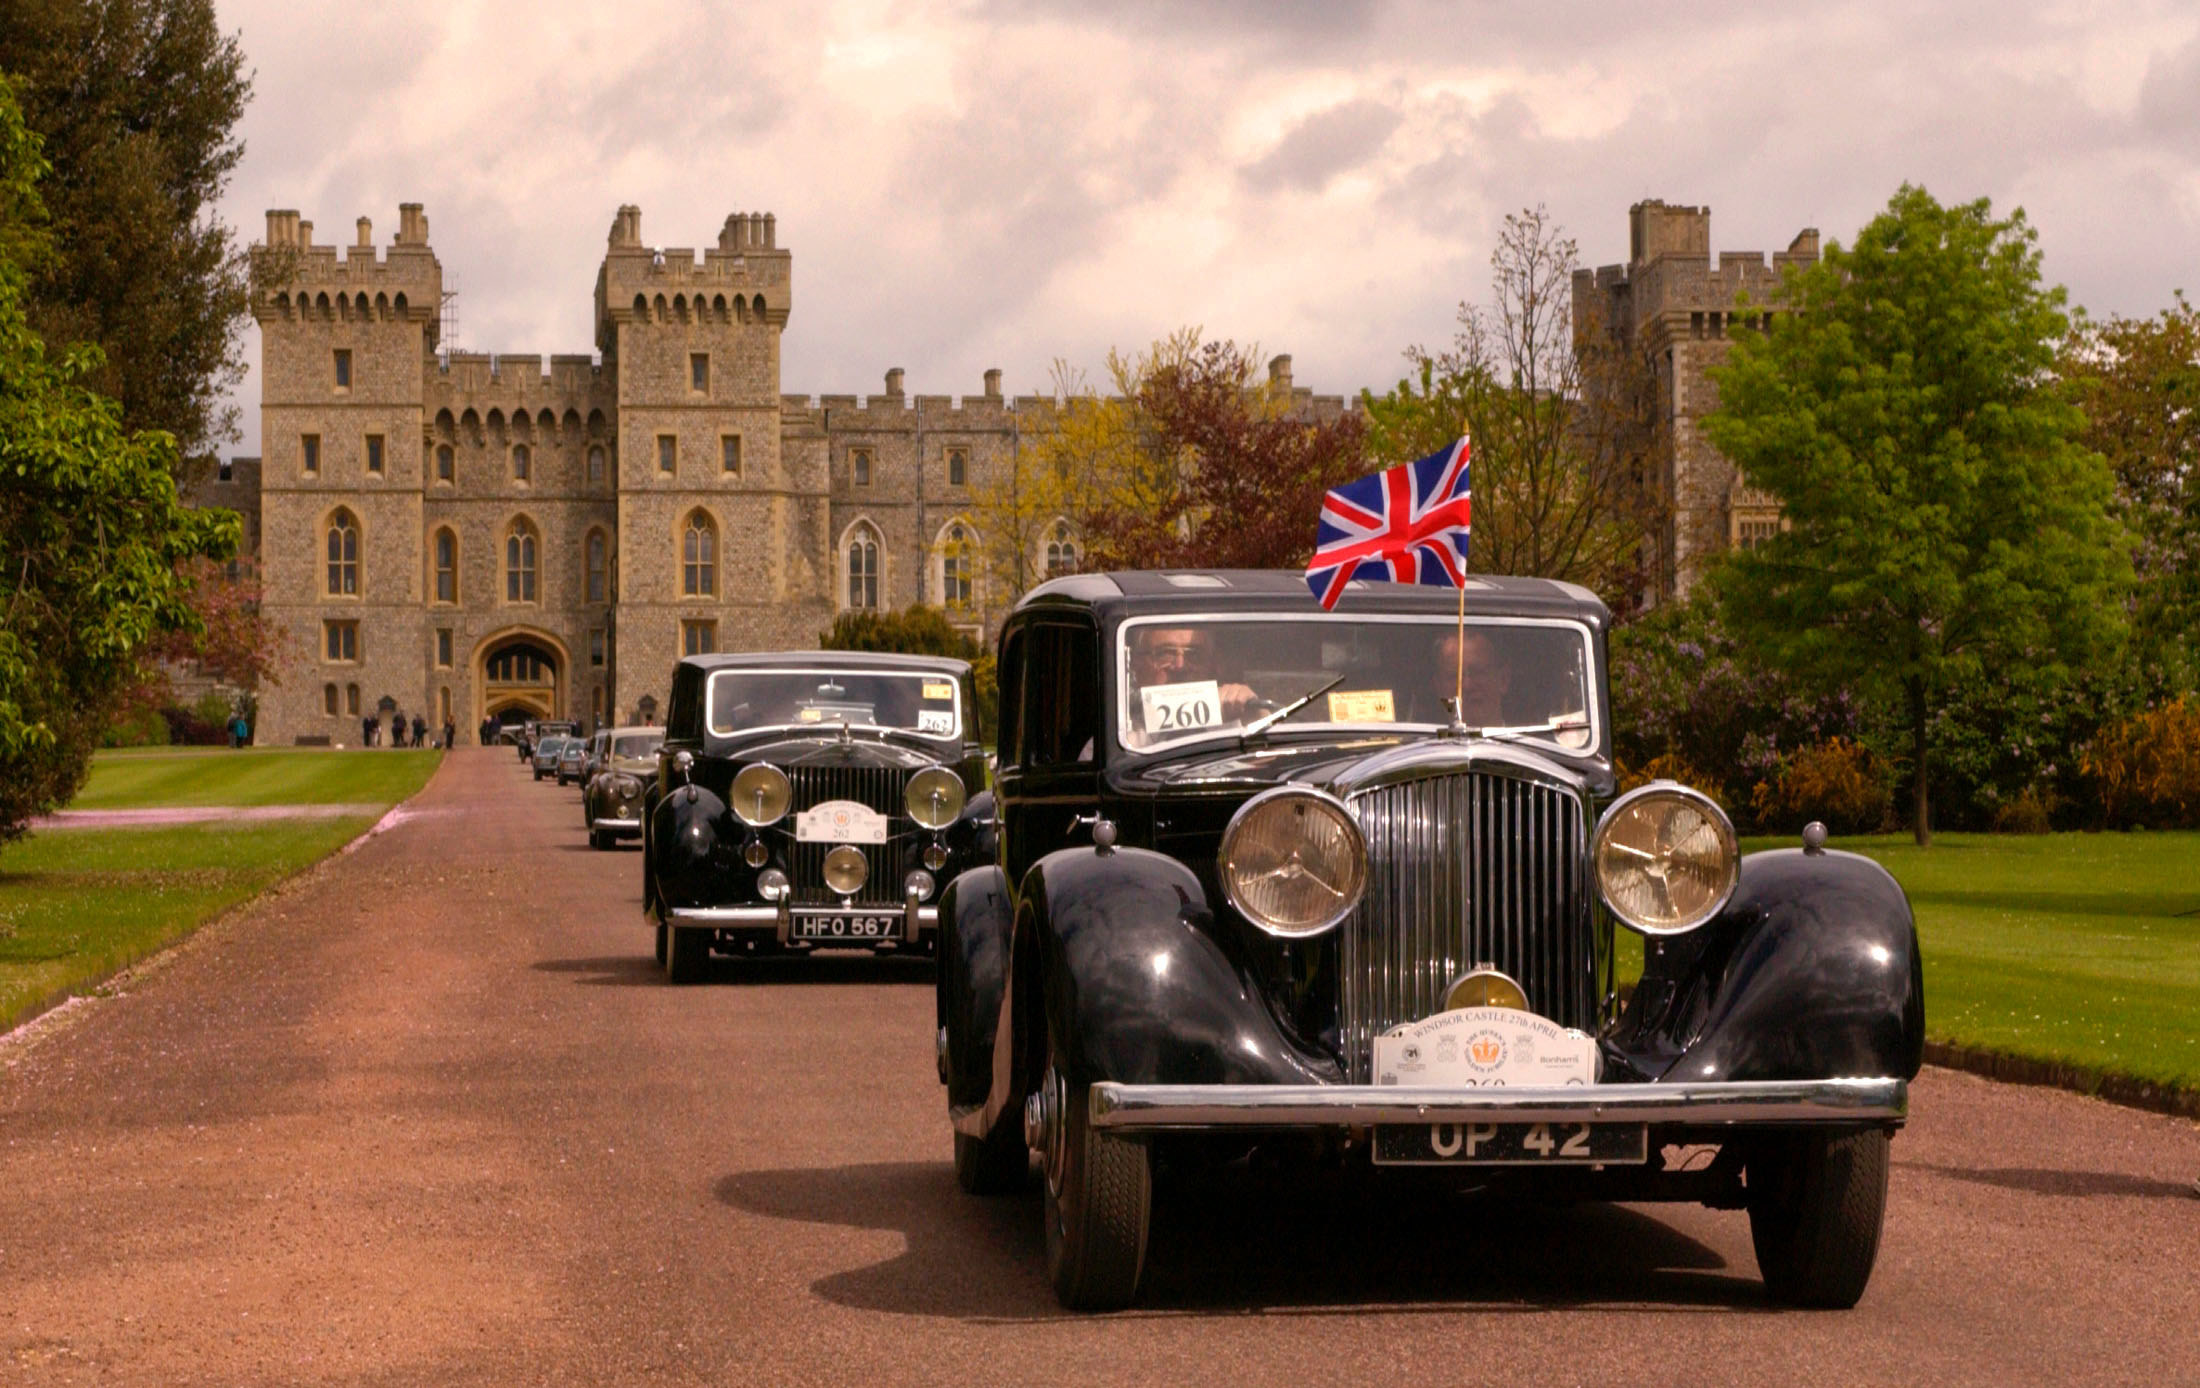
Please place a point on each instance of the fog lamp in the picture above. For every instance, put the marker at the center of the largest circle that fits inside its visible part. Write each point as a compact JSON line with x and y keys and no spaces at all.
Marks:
{"x":935,"y":856}
{"x":1666,"y":858}
{"x":755,"y":854}
{"x":771,"y":884}
{"x":846,"y":870}
{"x":1485,"y":986}
{"x":918,"y":881}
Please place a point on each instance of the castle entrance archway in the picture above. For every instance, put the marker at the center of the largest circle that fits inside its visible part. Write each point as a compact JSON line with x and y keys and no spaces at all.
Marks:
{"x":520,"y":675}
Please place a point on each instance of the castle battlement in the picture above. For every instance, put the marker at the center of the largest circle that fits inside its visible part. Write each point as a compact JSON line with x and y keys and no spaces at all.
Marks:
{"x":350,"y":282}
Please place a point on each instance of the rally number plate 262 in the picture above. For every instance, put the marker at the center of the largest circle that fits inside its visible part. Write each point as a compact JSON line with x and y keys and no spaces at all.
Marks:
{"x":1511,"y":1144}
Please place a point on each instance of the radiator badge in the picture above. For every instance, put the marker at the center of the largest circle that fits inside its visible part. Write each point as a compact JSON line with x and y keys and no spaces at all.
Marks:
{"x":1478,"y":1046}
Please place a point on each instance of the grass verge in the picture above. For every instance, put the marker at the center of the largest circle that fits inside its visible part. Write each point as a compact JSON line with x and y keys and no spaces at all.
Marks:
{"x":77,"y":905}
{"x":138,"y":779}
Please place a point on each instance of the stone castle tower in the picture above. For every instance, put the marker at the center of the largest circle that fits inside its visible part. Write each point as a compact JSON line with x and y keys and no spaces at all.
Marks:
{"x":1673,"y":304}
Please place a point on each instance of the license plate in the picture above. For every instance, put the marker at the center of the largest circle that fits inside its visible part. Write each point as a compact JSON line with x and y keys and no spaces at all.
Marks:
{"x":1511,"y":1144}
{"x":845,"y":927}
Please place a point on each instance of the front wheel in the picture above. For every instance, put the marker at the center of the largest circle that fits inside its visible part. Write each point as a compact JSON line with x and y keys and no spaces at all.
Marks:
{"x":1817,"y":1202}
{"x":1099,"y":1202}
{"x":686,"y":952}
{"x":662,"y":931}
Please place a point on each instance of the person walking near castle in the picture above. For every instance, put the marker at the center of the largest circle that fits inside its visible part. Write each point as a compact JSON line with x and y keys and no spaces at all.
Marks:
{"x":420,"y":731}
{"x":450,"y":733}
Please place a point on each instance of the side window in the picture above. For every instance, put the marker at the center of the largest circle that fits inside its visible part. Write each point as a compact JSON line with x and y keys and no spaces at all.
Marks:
{"x":1063,"y":700}
{"x":1011,"y":692}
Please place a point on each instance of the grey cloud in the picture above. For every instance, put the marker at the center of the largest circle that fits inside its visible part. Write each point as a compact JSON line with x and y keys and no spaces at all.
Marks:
{"x":1323,"y":146}
{"x":2169,"y":101}
{"x":1264,"y":20}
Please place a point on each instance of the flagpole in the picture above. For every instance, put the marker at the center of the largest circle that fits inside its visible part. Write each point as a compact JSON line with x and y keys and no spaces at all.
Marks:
{"x":1459,"y":680}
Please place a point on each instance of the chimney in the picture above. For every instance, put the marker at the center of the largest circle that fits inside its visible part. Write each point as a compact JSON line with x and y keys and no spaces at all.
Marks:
{"x":993,"y":384}
{"x":282,"y":227}
{"x":412,"y":225}
{"x":893,"y":383}
{"x":771,"y":231}
{"x":1805,"y":243}
{"x":366,"y":235}
{"x":305,"y":235}
{"x":741,"y":231}
{"x":1279,"y":371}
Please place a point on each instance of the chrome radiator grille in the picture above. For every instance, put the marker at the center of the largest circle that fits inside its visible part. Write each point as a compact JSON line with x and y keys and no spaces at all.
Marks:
{"x":1463,"y":869}
{"x":875,"y":787}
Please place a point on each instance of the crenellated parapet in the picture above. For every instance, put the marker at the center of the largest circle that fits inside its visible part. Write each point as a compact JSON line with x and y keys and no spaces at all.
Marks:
{"x":301,"y":280}
{"x":747,"y":278}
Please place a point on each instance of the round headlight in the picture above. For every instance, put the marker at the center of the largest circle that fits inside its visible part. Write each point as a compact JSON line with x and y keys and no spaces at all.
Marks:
{"x":918,"y":881}
{"x":1294,"y":861}
{"x":761,"y":794}
{"x":1666,"y":859}
{"x":935,"y":856}
{"x":755,"y":854}
{"x":846,"y":870}
{"x":771,"y":884}
{"x":934,"y":797}
{"x":626,"y":787}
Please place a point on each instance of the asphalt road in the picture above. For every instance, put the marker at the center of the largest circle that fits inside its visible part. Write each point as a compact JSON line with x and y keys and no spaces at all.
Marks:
{"x":429,"y":1116}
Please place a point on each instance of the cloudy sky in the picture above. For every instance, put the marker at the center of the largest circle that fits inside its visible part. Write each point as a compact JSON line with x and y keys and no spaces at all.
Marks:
{"x":1007,"y":182}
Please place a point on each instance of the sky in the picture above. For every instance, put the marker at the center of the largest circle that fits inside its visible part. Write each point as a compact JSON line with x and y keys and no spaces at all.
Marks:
{"x":1012,"y":183}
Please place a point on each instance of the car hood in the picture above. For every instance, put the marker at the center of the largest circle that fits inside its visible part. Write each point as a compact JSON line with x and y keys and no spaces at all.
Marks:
{"x":860,"y":750}
{"x":1343,"y":767}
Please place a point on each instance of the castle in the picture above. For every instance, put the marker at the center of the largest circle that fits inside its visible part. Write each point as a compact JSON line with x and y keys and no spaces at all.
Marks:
{"x":457,"y":535}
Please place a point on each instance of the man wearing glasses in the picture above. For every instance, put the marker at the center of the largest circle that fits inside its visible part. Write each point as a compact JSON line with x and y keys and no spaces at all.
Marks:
{"x":1162,"y":656}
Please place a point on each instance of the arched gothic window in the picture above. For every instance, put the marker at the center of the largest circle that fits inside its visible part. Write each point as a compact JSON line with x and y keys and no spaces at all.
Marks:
{"x":519,"y":563}
{"x":343,"y":555}
{"x":446,"y":566}
{"x":445,"y":463}
{"x":863,"y":568}
{"x":596,"y":563}
{"x":1061,"y":551}
{"x":955,"y":567}
{"x":699,"y":557}
{"x":523,"y":462}
{"x":595,"y":463}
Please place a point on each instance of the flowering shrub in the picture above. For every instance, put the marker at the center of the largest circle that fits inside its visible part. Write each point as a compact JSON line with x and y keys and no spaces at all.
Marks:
{"x":1837,"y":781}
{"x":2144,"y":772}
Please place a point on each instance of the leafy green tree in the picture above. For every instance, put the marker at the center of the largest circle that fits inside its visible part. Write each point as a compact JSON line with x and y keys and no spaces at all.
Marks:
{"x":137,"y":103}
{"x":1944,"y":511}
{"x":91,"y":532}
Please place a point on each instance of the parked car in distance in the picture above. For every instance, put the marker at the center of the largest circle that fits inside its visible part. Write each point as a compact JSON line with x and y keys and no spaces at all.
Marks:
{"x":611,"y":801}
{"x":544,"y":759}
{"x":809,"y":799}
{"x":592,"y":759}
{"x":572,"y":764}
{"x":1261,"y":892}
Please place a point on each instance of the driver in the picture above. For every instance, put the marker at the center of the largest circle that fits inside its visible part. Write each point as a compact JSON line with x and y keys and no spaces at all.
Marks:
{"x":1180,"y":655}
{"x":1488,"y":679}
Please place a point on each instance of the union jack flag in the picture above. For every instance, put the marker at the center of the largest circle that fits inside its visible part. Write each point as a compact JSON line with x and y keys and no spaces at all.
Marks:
{"x":1407,"y":524}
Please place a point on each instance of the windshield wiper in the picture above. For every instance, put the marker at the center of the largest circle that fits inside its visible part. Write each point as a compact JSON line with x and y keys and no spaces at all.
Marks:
{"x":1260,"y":724}
{"x":1509,"y":734}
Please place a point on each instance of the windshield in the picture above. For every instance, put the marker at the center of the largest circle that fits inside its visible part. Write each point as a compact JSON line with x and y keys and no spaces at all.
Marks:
{"x":1188,"y":678}
{"x":638,"y":745}
{"x":914,"y":701}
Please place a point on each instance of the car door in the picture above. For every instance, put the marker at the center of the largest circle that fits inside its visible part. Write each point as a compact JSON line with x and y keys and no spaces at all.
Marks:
{"x":1049,"y":774}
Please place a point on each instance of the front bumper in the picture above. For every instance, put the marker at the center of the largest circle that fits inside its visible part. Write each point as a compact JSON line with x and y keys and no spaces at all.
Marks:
{"x":624,"y":826}
{"x":1149,"y":1108}
{"x":917,"y":920}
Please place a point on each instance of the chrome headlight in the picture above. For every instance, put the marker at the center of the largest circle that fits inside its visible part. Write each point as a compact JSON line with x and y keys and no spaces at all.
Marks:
{"x":1294,"y":861}
{"x":846,"y":870}
{"x":626,"y":787}
{"x":771,"y":884}
{"x":761,"y":794}
{"x":1666,"y":858}
{"x":934,"y":797}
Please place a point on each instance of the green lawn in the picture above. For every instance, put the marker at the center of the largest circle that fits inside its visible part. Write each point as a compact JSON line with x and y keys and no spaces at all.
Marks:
{"x":256,"y":776}
{"x":78,"y":904}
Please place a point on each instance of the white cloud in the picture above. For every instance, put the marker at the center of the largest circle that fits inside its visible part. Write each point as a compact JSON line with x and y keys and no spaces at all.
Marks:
{"x":1004,"y":182}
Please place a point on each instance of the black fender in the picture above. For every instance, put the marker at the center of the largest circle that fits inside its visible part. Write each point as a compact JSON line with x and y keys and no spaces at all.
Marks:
{"x":1811,"y":972}
{"x":683,"y":844}
{"x":977,"y":917}
{"x":979,"y":829}
{"x":1136,"y":987}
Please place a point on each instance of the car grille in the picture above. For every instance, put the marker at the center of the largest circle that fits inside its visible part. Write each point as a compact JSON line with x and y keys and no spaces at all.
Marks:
{"x":874,"y":787}
{"x":1466,"y":868}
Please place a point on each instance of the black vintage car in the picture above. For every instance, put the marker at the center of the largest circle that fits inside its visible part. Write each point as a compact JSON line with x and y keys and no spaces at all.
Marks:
{"x":811,"y":799}
{"x":1259,"y":889}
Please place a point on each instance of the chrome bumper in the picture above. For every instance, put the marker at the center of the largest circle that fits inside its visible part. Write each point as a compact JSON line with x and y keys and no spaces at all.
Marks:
{"x":1137,"y":1108}
{"x":779,"y":918}
{"x":633,"y":824}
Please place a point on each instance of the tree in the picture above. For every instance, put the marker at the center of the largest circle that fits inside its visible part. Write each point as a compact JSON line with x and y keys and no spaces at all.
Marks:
{"x":91,"y":530}
{"x":137,"y":102}
{"x":1944,"y":510}
{"x":1563,"y":417}
{"x":2138,"y":380}
{"x":1200,"y":466}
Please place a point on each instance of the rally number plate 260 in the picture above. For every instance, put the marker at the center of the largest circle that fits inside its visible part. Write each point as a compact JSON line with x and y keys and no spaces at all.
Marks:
{"x":1511,"y":1144}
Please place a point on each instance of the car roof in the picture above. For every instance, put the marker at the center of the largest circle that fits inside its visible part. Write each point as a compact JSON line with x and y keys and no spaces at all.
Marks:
{"x":1134,"y":592}
{"x":826,"y":660}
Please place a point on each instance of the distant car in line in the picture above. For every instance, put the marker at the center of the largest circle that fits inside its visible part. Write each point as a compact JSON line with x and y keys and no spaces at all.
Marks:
{"x":611,"y":800}
{"x":544,"y":759}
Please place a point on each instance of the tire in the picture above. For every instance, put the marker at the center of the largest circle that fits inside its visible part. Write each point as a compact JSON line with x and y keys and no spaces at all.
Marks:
{"x":1817,"y":1202}
{"x":538,"y":775}
{"x":661,"y":931}
{"x":598,"y":840}
{"x":1099,"y":1206}
{"x":685,"y":954}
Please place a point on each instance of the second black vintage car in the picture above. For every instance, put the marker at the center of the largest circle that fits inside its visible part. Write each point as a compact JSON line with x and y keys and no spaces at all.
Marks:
{"x":811,"y":799}
{"x":1342,"y":886}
